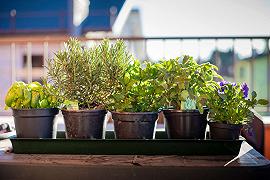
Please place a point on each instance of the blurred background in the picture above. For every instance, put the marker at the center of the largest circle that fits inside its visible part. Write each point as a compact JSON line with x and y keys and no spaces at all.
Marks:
{"x":234,"y":35}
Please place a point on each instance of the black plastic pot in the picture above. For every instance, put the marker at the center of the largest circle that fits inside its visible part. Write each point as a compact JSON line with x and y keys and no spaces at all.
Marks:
{"x":140,"y":125}
{"x":35,"y":123}
{"x":185,"y":124}
{"x":224,"y":131}
{"x":82,"y":124}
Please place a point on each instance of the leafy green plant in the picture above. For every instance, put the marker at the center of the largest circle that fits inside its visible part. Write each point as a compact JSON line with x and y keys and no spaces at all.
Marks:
{"x":229,"y":103}
{"x":32,"y":95}
{"x":186,"y":84}
{"x":85,"y":77}
{"x":139,"y":89}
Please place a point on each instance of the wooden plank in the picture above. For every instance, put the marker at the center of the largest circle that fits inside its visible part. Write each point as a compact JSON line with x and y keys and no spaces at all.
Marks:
{"x":249,"y":164}
{"x":247,"y":157}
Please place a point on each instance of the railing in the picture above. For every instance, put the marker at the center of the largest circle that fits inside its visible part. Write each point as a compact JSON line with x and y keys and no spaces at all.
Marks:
{"x":253,"y":68}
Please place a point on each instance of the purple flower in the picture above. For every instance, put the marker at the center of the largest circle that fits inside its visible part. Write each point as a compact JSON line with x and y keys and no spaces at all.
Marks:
{"x":222,"y":83}
{"x":221,"y":91}
{"x":245,"y":89}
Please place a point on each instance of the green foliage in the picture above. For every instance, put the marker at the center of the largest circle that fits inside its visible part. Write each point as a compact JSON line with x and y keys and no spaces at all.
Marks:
{"x":88,"y":76}
{"x":32,"y":95}
{"x":139,"y":89}
{"x":228,"y":104}
{"x":186,"y":84}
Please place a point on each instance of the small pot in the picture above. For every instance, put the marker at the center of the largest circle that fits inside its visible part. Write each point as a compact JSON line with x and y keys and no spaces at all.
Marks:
{"x":35,"y":123}
{"x":139,"y":125}
{"x":82,"y":124}
{"x":185,"y":124}
{"x":224,"y":131}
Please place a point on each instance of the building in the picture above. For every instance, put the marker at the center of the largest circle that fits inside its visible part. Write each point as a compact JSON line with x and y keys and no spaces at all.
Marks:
{"x":30,"y":31}
{"x":253,"y":71}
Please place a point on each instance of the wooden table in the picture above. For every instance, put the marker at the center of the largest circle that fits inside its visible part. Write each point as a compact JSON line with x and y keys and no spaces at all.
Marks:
{"x":249,"y":164}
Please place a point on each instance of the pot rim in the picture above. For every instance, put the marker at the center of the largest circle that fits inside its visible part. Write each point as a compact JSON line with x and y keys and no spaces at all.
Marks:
{"x":35,"y":112}
{"x":152,"y":116}
{"x":223,"y":125}
{"x":206,"y":109}
{"x":84,"y":111}
{"x":180,"y":111}
{"x":39,"y":109}
{"x":133,"y":113}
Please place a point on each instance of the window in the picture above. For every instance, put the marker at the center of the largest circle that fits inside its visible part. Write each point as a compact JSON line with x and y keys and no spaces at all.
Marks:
{"x":37,"y":61}
{"x":242,"y":72}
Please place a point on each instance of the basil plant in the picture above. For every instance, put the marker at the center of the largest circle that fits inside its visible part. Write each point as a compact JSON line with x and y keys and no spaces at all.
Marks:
{"x":186,"y":84}
{"x":138,"y":90}
{"x":33,"y":95}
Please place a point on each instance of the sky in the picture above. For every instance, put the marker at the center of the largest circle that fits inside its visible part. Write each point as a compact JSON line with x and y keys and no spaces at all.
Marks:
{"x":202,"y":18}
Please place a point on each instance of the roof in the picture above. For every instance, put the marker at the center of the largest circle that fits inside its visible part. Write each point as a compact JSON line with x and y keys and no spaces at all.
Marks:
{"x":100,"y":12}
{"x":53,"y":16}
{"x":32,"y":16}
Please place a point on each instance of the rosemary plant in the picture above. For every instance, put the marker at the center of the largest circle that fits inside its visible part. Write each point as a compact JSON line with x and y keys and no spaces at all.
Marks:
{"x":86,"y":77}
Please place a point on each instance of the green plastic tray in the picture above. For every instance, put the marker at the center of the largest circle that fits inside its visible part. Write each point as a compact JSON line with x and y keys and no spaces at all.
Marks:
{"x":110,"y":146}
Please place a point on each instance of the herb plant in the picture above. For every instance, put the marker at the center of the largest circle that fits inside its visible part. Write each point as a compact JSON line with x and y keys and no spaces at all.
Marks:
{"x":85,"y":77}
{"x":32,"y":95}
{"x":139,"y":89}
{"x":229,"y":103}
{"x":186,"y":84}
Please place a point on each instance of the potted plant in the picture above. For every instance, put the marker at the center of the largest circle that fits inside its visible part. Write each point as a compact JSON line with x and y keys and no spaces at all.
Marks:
{"x":84,"y":79}
{"x":185,"y":88}
{"x":230,"y":109}
{"x":136,"y":101}
{"x":34,"y":109}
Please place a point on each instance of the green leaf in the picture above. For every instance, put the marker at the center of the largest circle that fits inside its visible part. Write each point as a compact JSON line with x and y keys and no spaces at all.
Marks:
{"x":34,"y":99}
{"x":164,"y":85}
{"x":184,"y":94}
{"x":35,"y":86}
{"x":10,"y":97}
{"x":44,"y":103}
{"x":127,"y":78}
{"x":223,"y":96}
{"x":253,"y":94}
{"x":27,"y":98}
{"x":200,"y":108}
{"x":71,"y":105}
{"x":263,"y":102}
